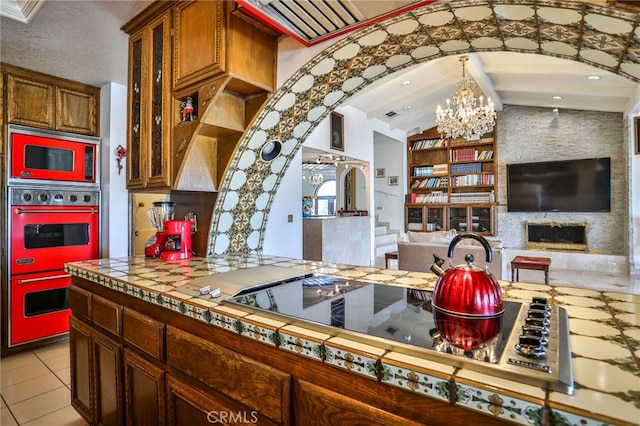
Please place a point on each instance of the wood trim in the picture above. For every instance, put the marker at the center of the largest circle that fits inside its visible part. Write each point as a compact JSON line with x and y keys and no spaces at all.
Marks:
{"x":254,"y":384}
{"x":140,"y":404}
{"x":405,"y":404}
{"x":81,"y":377}
{"x":107,"y":315}
{"x":155,"y":9}
{"x":144,"y":333}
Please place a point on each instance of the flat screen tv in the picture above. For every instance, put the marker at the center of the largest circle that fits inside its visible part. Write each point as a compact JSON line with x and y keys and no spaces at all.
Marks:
{"x":560,"y":186}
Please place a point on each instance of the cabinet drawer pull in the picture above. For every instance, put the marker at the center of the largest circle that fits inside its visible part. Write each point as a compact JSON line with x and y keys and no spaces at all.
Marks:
{"x":210,"y":93}
{"x":181,"y":147}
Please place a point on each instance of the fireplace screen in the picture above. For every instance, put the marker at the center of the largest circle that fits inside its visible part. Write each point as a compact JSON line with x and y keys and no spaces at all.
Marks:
{"x":553,"y":235}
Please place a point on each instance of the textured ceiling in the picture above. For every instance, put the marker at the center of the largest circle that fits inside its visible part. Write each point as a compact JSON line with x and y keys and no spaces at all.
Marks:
{"x":78,"y":40}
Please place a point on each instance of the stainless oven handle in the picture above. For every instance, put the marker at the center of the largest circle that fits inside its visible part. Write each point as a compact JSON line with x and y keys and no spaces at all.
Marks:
{"x":22,"y":210}
{"x":54,"y":277}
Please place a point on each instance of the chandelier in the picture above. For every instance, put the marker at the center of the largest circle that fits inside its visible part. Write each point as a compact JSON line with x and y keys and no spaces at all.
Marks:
{"x":461,"y":117}
{"x":316,"y":179}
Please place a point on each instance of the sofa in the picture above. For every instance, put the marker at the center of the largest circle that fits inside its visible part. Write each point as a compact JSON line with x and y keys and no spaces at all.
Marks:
{"x":416,"y":254}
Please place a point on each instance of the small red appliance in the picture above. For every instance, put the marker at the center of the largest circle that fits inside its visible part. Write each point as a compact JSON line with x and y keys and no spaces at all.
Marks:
{"x":161,"y":212}
{"x":177,"y":245}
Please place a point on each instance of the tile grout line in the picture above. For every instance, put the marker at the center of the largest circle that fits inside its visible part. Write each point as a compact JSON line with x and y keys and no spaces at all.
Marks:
{"x":34,"y":396}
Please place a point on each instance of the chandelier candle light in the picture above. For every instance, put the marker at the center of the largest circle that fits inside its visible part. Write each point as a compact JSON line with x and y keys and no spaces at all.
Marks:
{"x":461,"y":117}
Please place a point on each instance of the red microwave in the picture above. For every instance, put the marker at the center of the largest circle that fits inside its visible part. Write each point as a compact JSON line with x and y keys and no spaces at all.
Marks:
{"x":37,"y":155}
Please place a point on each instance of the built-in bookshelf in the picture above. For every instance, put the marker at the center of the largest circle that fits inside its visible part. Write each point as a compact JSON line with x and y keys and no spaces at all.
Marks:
{"x":452,"y":175}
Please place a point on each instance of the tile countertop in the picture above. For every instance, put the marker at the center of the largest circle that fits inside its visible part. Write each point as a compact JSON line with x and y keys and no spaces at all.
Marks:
{"x":605,"y":336}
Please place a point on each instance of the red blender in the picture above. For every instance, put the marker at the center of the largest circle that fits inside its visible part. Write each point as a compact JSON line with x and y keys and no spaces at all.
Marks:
{"x":161,"y":212}
{"x":177,"y":244}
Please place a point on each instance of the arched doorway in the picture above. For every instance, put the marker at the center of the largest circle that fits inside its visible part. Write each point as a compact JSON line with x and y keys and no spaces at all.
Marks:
{"x":575,"y":31}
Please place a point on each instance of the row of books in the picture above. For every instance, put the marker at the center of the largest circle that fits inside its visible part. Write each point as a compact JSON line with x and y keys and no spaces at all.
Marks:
{"x":434,"y":182}
{"x":458,"y":169}
{"x":435,"y":170}
{"x":486,"y":138}
{"x":473,"y":180}
{"x":469,"y":154}
{"x":432,"y":197}
{"x":429,"y":143}
{"x":473,"y":197}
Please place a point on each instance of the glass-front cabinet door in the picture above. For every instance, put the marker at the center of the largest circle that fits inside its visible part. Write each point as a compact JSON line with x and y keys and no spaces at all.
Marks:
{"x":459,"y":218}
{"x":436,"y":218}
{"x":481,"y":219}
{"x":421,"y":217}
{"x":149,"y":101}
{"x":414,"y":218}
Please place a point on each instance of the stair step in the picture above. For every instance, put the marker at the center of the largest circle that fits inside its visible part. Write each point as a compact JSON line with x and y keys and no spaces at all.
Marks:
{"x":386,"y":239}
{"x":381,"y":230}
{"x":381,"y":250}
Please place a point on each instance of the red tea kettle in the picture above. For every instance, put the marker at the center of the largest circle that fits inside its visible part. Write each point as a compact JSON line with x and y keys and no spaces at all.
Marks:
{"x":467,"y":289}
{"x":467,"y":332}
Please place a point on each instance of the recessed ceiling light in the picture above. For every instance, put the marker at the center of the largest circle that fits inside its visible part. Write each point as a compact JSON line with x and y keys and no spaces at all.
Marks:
{"x":557,"y":98}
{"x":594,"y":77}
{"x":407,"y":108}
{"x":406,"y":82}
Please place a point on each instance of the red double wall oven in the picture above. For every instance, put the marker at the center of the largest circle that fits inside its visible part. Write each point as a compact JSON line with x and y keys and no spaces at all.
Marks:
{"x":54,"y":218}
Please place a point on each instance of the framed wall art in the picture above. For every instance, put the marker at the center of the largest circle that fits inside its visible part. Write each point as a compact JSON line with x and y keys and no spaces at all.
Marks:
{"x":337,"y":131}
{"x":394,"y":180}
{"x":380,"y":173}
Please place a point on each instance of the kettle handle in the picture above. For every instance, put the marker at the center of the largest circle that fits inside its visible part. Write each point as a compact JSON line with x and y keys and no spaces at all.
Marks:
{"x":481,"y":240}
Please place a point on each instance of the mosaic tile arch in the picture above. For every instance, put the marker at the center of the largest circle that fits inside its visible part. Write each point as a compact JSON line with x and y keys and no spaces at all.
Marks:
{"x":603,"y":37}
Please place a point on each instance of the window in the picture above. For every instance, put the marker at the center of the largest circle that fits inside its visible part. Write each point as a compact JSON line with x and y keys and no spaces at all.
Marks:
{"x":326,"y":198}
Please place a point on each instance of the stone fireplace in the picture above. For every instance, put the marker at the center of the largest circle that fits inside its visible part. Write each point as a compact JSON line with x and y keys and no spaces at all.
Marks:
{"x":556,"y":236}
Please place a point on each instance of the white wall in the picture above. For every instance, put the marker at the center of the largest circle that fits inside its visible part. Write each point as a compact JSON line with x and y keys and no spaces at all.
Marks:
{"x":281,"y":237}
{"x":115,"y":198}
{"x":390,"y":154}
{"x":284,"y":238}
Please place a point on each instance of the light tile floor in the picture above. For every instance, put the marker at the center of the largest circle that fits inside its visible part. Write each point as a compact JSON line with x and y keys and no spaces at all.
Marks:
{"x":35,"y":384}
{"x":35,"y":388}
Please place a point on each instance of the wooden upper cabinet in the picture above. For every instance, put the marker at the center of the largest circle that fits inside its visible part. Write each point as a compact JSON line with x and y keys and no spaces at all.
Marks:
{"x":39,"y":100}
{"x":149,"y":165}
{"x":30,"y":102}
{"x":214,"y":37}
{"x":192,"y":65}
{"x":76,"y":111}
{"x":199,"y":27}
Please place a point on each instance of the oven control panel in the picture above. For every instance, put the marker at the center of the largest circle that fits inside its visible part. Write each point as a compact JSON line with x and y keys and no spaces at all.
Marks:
{"x":54,"y":197}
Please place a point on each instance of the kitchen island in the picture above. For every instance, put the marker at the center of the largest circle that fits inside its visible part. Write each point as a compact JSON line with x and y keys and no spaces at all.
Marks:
{"x":145,"y":351}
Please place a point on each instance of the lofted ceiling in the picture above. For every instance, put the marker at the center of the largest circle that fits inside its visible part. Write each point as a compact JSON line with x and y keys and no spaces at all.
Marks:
{"x":82,"y":41}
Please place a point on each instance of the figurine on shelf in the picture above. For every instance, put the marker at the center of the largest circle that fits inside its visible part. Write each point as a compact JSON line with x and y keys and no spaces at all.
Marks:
{"x":187,"y":110}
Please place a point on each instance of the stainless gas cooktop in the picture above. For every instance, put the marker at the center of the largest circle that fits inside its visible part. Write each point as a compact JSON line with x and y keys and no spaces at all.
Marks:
{"x":528,"y":343}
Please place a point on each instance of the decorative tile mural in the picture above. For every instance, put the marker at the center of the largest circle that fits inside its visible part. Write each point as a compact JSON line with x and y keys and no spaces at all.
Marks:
{"x":602,"y":37}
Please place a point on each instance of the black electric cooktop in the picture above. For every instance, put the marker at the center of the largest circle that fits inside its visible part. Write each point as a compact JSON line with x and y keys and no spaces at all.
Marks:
{"x":399,"y":314}
{"x":526,"y":343}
